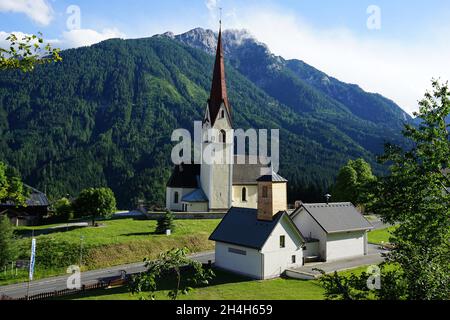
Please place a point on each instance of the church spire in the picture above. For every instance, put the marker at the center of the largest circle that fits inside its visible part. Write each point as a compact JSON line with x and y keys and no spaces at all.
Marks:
{"x":219,"y":86}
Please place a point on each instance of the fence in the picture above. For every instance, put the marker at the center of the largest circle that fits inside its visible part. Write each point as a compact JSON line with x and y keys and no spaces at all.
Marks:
{"x":61,"y":293}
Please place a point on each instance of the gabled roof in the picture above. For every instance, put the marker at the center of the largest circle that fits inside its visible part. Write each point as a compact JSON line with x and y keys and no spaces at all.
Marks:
{"x":185,"y":176}
{"x":218,"y":94}
{"x":274,"y":177}
{"x":241,"y":227}
{"x":195,"y":196}
{"x":336,"y":217}
{"x":35,"y":198}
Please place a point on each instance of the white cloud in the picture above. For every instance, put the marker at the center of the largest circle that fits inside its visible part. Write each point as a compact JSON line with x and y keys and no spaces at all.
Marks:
{"x":86,"y":37}
{"x":398,"y":70}
{"x":39,"y":11}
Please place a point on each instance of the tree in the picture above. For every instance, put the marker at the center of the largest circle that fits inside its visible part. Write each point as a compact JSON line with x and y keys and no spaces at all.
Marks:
{"x":165,"y":223}
{"x":414,"y":196}
{"x":8,"y":243}
{"x":64,"y":209}
{"x":27,"y":52}
{"x":11,"y":186}
{"x":353,"y":181}
{"x":174,"y":262}
{"x":95,"y":202}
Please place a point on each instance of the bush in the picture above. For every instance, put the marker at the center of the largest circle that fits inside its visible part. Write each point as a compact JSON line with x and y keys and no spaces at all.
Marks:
{"x":64,"y":210}
{"x":165,"y":223}
{"x":8,"y":247}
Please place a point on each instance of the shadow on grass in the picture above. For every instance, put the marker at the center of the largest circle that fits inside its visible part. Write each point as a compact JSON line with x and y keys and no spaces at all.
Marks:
{"x":36,"y":233}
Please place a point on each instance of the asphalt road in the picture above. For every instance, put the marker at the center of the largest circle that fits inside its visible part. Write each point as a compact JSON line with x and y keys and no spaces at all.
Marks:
{"x":87,"y":278}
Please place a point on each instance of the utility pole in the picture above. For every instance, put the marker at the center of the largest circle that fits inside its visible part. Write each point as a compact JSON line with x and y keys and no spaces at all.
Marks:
{"x":81,"y":251}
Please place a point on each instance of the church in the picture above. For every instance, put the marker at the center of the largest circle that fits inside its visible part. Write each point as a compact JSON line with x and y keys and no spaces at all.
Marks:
{"x":216,"y":186}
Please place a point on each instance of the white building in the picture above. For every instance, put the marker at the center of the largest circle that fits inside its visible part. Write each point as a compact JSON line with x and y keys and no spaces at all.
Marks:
{"x":262,"y":243}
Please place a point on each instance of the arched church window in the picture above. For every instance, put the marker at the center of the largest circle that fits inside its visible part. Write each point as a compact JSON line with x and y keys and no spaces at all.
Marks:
{"x":244,"y":194}
{"x":176,"y":197}
{"x":223,"y":136}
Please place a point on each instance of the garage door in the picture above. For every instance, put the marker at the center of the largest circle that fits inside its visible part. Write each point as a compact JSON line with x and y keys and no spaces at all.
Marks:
{"x":345,"y":245}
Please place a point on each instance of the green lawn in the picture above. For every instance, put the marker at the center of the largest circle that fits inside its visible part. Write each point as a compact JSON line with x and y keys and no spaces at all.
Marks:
{"x":115,"y":242}
{"x":227,"y":286}
{"x":380,"y":236}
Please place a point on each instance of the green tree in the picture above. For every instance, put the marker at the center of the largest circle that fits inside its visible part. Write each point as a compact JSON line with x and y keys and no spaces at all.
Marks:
{"x":27,"y":52}
{"x":95,"y":202}
{"x":11,"y":186}
{"x":8,"y":243}
{"x":353,"y":181}
{"x":175,"y":262}
{"x":414,"y":196}
{"x":165,"y":223}
{"x":64,"y":209}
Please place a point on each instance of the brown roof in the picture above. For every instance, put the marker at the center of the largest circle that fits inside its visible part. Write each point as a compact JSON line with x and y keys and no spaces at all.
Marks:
{"x":219,"y":87}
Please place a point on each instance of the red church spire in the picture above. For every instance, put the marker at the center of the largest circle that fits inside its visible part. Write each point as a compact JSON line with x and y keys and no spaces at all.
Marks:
{"x":219,"y":86}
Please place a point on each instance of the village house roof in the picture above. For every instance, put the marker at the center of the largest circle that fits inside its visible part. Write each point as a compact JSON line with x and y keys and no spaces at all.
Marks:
{"x":273,"y":177}
{"x":336,"y":217}
{"x":35,"y":198}
{"x":241,"y":227}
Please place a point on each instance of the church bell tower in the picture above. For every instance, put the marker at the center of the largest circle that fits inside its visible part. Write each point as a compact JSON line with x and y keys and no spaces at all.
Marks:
{"x":218,"y":140}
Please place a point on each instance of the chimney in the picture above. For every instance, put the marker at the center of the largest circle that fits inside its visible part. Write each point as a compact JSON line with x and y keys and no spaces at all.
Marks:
{"x":327,"y":198}
{"x":272,"y":196}
{"x":298,"y":204}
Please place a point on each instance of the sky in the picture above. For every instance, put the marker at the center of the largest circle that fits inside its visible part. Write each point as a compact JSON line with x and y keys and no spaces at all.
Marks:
{"x":390,"y":47}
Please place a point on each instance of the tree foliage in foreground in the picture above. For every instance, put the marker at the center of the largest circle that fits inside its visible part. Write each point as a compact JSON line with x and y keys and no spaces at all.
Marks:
{"x":174,"y":264}
{"x":11,"y":186}
{"x":27,"y":52}
{"x":415,"y":196}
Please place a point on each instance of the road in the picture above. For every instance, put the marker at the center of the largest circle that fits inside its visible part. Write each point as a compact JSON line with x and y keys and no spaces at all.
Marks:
{"x":87,"y":278}
{"x":374,"y":257}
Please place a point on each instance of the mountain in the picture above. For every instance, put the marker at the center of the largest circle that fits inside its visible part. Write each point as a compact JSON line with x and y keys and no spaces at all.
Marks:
{"x":105,"y":115}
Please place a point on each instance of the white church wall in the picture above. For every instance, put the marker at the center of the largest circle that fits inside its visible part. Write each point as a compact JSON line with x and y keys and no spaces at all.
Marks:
{"x":252,"y":196}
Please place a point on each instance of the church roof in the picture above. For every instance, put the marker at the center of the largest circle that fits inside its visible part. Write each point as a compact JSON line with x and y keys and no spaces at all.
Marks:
{"x":218,"y":94}
{"x":336,"y":217}
{"x":245,"y":171}
{"x":185,"y":176}
{"x":195,"y":196}
{"x":241,"y":227}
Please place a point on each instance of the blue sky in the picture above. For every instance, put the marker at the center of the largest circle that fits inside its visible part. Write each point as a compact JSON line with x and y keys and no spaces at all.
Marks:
{"x":397,"y":60}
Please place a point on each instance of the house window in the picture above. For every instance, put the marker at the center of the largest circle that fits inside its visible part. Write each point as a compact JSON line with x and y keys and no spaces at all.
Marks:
{"x":244,"y":194}
{"x":237,"y":251}
{"x":294,"y":259}
{"x":282,"y":241}
{"x":176,"y":197}
{"x":223,"y":136}
{"x":265,"y":192}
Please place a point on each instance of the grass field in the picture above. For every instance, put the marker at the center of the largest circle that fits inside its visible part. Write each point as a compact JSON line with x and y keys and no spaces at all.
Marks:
{"x":227,"y":286}
{"x":380,"y":236}
{"x":115,"y":242}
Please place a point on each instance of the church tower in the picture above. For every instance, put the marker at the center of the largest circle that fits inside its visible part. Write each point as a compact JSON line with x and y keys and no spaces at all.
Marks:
{"x":218,"y":139}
